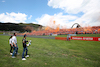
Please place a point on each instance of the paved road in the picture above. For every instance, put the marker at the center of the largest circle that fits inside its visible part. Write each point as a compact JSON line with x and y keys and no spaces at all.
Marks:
{"x":44,"y":37}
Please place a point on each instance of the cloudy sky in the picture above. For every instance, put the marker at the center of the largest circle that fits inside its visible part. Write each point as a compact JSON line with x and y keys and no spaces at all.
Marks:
{"x":64,"y":12}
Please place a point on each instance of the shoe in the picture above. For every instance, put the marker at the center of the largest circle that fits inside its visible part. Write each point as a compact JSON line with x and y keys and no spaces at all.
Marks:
{"x":27,"y":56}
{"x":13,"y":57}
{"x":23,"y":59}
{"x":10,"y":53}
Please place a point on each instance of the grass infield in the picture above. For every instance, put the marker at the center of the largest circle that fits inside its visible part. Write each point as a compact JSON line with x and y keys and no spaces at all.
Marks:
{"x":52,"y":53}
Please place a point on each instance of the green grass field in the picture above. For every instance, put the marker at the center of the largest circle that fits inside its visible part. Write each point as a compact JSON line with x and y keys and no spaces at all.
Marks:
{"x":52,"y":53}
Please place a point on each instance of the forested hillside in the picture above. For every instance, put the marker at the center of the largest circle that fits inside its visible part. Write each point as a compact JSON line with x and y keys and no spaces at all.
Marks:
{"x":19,"y":27}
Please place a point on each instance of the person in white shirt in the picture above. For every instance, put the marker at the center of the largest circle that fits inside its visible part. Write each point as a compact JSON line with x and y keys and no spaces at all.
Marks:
{"x":11,"y":44}
{"x":14,"y":41}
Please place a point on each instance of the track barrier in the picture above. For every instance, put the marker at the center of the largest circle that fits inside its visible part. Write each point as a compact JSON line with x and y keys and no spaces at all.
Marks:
{"x":61,"y":38}
{"x":80,"y":38}
{"x":86,"y":38}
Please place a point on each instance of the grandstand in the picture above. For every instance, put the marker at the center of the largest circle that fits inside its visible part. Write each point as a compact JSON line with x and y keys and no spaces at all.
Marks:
{"x":80,"y":30}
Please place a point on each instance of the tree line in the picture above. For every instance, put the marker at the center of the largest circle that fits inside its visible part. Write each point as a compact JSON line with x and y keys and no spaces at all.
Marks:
{"x":21,"y":27}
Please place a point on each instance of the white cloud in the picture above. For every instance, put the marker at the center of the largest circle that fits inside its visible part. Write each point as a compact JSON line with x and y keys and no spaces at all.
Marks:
{"x":89,"y":8}
{"x":13,"y":17}
{"x":90,"y":18}
{"x":75,"y":6}
{"x":55,"y":20}
{"x":34,"y":22}
{"x":30,"y":17}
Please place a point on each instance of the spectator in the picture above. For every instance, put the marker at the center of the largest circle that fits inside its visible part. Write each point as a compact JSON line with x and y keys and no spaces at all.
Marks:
{"x":24,"y":47}
{"x":11,"y":45}
{"x":14,"y":41}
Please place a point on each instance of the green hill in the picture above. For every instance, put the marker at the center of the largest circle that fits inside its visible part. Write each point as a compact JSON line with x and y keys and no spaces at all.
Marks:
{"x":22,"y":27}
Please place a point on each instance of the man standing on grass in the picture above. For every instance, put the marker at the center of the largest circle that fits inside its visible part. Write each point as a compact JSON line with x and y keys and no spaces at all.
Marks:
{"x":24,"y":47}
{"x":14,"y":41}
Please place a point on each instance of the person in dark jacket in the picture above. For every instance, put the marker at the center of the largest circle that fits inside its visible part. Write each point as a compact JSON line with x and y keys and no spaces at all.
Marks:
{"x":24,"y":41}
{"x":11,"y":45}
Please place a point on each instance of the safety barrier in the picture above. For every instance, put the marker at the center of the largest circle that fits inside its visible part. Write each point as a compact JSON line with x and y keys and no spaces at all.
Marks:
{"x":80,"y":38}
{"x":86,"y":38}
{"x":61,"y":38}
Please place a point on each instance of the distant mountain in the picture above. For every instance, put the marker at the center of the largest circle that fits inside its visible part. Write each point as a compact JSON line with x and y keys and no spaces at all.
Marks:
{"x":22,"y":27}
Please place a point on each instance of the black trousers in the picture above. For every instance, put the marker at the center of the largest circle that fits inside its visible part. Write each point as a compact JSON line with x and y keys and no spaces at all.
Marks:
{"x":11,"y":48}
